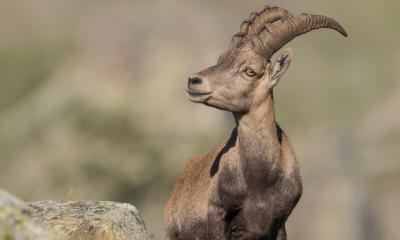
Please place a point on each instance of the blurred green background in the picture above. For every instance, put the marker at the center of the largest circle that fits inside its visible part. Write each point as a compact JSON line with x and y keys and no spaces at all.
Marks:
{"x":92,"y":105}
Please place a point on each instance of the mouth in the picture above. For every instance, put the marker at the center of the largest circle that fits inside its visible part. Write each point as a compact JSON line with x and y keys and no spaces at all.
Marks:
{"x":198,"y":97}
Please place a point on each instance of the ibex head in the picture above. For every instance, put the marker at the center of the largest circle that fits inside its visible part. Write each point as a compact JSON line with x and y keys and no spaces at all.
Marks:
{"x":244,"y":74}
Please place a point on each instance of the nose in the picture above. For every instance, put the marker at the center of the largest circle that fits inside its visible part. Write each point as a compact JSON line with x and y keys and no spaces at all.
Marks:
{"x":193,"y":81}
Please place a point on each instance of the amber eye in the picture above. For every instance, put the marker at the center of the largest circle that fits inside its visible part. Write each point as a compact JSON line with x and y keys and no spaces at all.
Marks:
{"x":250,"y":72}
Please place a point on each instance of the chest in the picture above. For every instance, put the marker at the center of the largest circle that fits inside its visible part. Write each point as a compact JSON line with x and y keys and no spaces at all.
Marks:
{"x":228,"y":187}
{"x":236,"y":181}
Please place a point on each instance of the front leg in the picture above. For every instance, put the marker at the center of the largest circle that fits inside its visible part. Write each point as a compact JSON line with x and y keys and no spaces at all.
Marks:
{"x":281,"y":233}
{"x":252,"y":223}
{"x":247,"y":235}
{"x":216,"y":226}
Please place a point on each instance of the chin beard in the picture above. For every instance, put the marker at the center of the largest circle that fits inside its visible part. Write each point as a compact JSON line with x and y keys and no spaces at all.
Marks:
{"x":221,"y":106}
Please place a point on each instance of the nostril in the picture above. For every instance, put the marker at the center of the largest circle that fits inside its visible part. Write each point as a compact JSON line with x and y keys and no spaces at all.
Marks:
{"x":194,"y":80}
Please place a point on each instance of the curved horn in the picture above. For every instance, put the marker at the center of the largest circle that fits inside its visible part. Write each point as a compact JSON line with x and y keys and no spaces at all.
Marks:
{"x":255,"y":24}
{"x":280,"y":33}
{"x":267,"y":15}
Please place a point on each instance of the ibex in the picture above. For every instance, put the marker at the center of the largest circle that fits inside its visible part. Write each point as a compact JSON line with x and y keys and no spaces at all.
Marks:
{"x":247,"y":187}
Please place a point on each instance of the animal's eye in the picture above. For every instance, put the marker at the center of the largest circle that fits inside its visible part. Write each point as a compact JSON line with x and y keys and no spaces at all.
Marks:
{"x":250,"y":72}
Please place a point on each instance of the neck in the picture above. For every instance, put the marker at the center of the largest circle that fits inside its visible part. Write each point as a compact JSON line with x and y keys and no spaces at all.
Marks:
{"x":259,"y":145}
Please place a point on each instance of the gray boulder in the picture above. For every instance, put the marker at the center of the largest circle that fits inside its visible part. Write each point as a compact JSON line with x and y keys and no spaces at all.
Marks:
{"x":84,"y":220}
{"x":17,"y":223}
{"x":69,"y":220}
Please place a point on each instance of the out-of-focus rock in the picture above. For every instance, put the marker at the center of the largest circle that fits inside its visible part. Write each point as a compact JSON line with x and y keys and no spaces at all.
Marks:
{"x":91,"y":219}
{"x":17,"y":223}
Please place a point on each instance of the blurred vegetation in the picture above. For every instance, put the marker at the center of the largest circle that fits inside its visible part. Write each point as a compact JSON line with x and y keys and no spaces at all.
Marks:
{"x":92,"y":105}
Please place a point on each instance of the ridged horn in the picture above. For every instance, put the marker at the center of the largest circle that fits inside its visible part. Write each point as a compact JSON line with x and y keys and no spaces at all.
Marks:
{"x":255,"y":24}
{"x":277,"y":34}
{"x":267,"y":15}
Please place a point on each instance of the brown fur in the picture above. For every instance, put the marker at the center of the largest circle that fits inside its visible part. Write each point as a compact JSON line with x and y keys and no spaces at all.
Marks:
{"x":246,"y":187}
{"x":220,"y":197}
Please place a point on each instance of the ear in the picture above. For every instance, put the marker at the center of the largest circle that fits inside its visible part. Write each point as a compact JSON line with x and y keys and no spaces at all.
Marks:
{"x":280,"y":66}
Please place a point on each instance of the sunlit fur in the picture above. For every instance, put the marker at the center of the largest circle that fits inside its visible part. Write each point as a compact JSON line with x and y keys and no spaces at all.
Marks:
{"x":231,"y":88}
{"x":246,"y":187}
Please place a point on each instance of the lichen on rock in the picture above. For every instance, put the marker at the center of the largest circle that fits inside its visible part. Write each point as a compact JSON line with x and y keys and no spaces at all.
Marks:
{"x":91,"y":219}
{"x":69,"y":220}
{"x":17,"y":223}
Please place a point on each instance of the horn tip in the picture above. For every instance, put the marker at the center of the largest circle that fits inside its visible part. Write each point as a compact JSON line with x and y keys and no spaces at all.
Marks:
{"x":343,"y":32}
{"x":340,"y":28}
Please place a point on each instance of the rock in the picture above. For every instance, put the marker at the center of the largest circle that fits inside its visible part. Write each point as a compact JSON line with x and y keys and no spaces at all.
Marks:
{"x":62,"y":220}
{"x":17,"y":223}
{"x":84,"y":220}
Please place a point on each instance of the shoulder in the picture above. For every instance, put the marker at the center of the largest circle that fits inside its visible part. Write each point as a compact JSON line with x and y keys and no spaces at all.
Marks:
{"x":201,"y":161}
